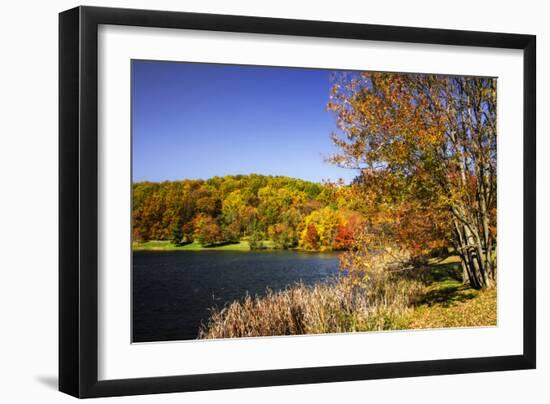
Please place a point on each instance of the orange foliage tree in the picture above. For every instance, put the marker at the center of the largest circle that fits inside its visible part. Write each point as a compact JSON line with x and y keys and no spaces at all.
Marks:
{"x":426,"y":148}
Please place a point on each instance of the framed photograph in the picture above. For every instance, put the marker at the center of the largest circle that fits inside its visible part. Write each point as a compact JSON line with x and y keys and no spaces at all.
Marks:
{"x":251,"y":201}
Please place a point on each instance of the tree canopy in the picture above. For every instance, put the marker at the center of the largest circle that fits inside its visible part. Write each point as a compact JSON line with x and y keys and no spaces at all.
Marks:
{"x":426,"y":149}
{"x":285,"y":210}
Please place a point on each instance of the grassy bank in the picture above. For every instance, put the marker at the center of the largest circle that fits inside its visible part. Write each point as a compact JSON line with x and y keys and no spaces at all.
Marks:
{"x":447,"y":302}
{"x":168,"y":246}
{"x":163,"y":245}
{"x":435,"y":298}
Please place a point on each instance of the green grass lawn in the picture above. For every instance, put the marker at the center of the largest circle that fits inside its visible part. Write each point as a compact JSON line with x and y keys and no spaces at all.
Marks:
{"x":163,"y":245}
{"x":447,"y":302}
{"x":159,"y":245}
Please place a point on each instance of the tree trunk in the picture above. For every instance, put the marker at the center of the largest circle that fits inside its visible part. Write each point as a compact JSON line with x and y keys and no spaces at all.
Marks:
{"x":476,"y":262}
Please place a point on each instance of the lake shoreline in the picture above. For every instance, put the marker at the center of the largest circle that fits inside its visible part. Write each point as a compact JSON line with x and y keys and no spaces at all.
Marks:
{"x":241,"y":246}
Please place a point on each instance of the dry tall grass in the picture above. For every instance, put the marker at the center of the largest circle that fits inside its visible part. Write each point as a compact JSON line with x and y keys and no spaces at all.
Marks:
{"x":341,"y":306}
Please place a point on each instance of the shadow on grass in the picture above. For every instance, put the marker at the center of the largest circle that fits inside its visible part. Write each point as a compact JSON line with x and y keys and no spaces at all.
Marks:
{"x":445,"y":272}
{"x":447,"y":296}
{"x":183,"y":243}
{"x":223,"y":243}
{"x":446,"y":287}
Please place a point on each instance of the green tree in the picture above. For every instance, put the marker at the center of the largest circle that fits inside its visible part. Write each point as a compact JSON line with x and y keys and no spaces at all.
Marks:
{"x":177,"y":233}
{"x":255,"y":240}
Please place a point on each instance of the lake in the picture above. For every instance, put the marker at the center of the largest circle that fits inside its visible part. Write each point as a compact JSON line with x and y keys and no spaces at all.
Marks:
{"x":172,"y":291}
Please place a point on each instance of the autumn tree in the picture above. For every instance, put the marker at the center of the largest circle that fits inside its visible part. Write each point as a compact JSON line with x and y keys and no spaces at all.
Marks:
{"x":207,"y":231}
{"x":282,"y":235}
{"x":426,"y":149}
{"x":310,"y":238}
{"x":231,"y":232}
{"x":348,"y":227}
{"x":187,"y":232}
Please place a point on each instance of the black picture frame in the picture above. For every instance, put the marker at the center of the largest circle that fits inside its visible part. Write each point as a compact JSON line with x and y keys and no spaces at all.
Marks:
{"x":78,"y":201}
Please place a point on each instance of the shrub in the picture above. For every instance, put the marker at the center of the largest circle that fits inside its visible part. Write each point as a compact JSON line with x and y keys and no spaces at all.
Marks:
{"x":255,"y":240}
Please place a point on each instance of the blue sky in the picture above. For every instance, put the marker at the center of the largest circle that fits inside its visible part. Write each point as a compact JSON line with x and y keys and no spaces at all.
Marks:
{"x":194,"y":120}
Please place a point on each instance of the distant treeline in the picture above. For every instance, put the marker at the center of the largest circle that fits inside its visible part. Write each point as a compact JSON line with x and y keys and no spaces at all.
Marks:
{"x":287,"y":211}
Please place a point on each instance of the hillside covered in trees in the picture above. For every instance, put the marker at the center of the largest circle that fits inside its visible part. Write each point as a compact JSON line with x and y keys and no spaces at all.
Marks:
{"x":288,"y":212}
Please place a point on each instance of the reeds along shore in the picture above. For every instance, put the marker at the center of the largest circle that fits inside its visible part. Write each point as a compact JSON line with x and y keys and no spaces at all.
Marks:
{"x":339,"y":306}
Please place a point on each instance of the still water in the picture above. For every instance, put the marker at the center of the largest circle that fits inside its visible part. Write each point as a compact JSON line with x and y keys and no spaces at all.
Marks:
{"x":172,"y":291}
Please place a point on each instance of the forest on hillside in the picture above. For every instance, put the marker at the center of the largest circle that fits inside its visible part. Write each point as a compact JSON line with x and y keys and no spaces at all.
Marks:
{"x":289,"y":212}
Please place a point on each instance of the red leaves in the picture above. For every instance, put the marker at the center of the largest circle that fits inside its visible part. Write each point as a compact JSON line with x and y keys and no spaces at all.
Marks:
{"x":312,"y":237}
